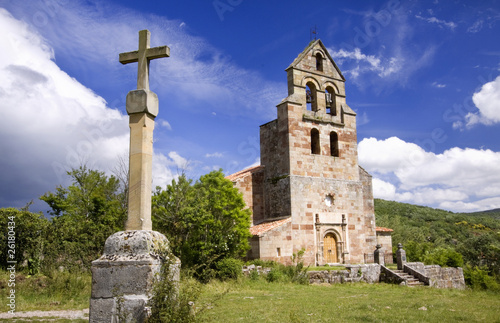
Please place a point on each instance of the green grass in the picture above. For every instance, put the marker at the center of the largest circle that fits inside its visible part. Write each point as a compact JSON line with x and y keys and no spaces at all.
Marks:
{"x":59,"y":291}
{"x":259,"y":301}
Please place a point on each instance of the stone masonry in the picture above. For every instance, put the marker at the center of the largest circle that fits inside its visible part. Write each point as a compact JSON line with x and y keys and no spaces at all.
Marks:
{"x":309,"y":191}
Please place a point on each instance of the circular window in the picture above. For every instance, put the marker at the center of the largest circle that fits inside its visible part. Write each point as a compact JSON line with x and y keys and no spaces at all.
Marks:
{"x":329,"y":200}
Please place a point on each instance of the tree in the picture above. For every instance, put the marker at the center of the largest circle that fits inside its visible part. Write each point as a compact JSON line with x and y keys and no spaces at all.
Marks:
{"x":84,"y":215}
{"x":27,"y":245}
{"x":204,"y":222}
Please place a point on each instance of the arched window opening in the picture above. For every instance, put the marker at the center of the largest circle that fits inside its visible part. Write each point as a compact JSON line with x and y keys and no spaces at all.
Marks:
{"x":319,"y":62}
{"x":315,"y":146}
{"x":331,"y":105}
{"x":311,"y":97}
{"x":334,"y":144}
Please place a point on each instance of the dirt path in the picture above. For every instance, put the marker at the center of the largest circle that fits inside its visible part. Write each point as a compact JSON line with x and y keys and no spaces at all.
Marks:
{"x":69,"y":314}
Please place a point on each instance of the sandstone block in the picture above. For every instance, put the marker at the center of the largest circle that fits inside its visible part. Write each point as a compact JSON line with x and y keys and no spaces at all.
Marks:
{"x":139,"y":101}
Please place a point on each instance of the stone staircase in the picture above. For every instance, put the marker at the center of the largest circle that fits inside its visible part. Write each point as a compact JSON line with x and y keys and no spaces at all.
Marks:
{"x":411,"y":281}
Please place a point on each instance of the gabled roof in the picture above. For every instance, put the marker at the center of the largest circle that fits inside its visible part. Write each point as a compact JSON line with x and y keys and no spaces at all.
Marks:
{"x":309,"y":47}
{"x":259,"y":229}
{"x":243,"y":173}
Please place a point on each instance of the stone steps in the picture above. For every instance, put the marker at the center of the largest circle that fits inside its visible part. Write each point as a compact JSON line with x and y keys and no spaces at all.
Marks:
{"x":411,"y":281}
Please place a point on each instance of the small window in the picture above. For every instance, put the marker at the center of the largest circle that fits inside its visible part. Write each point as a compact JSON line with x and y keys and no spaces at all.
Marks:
{"x":319,"y":62}
{"x":278,"y":252}
{"x":315,"y":146}
{"x":334,"y":144}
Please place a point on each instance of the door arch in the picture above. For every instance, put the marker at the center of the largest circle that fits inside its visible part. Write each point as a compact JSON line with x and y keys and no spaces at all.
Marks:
{"x":330,"y":248}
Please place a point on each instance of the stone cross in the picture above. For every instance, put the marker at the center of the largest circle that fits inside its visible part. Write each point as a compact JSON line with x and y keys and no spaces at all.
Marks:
{"x":142,"y":108}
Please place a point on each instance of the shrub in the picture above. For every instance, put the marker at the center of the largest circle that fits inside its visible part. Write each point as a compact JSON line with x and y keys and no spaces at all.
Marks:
{"x":275,"y":275}
{"x":229,"y":268}
{"x":254,"y":275}
{"x":444,"y":257}
{"x":478,"y":278}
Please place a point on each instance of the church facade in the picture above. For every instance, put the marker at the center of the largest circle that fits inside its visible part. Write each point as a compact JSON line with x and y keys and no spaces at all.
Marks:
{"x":309,"y":193}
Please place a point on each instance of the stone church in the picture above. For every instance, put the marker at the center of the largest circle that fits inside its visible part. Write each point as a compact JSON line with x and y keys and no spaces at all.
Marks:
{"x":309,"y":193}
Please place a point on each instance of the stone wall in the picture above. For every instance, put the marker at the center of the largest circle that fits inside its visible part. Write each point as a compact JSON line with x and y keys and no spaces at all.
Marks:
{"x":440,"y":277}
{"x":250,"y":185}
{"x":276,"y":244}
{"x":368,"y":273}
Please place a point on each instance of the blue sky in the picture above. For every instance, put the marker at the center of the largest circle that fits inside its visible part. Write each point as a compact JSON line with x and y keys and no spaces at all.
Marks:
{"x":423,"y":77}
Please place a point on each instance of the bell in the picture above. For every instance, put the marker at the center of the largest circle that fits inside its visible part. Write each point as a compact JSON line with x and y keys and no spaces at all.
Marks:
{"x":309,"y":97}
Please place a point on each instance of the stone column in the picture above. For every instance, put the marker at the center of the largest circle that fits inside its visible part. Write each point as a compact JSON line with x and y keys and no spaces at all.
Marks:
{"x":401,"y":257}
{"x":379,"y":256}
{"x":142,"y":107}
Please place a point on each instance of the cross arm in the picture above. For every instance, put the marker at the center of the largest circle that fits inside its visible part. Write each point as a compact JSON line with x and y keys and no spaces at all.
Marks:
{"x":129,"y":57}
{"x":158,"y":52}
{"x":151,"y":53}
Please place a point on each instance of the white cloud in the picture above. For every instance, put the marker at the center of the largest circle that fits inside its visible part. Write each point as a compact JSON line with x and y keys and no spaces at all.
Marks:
{"x":487,"y":100}
{"x":438,"y":85}
{"x":195,"y":75}
{"x":367,"y":63}
{"x":405,"y":172}
{"x":439,"y":22}
{"x":50,"y":123}
{"x":214,"y":155}
{"x":167,"y":168}
{"x":476,"y":26}
{"x":164,"y":123}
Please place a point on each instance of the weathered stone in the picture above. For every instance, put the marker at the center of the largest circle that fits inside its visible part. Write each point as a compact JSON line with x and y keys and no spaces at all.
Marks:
{"x":323,"y":191}
{"x":122,"y":279}
{"x":142,"y":101}
{"x":379,"y":256}
{"x":400,"y":256}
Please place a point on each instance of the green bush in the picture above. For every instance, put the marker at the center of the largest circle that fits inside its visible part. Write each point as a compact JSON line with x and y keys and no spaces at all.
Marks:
{"x":445,"y":257}
{"x":254,"y":275}
{"x":229,"y":268}
{"x":275,"y":275}
{"x":478,"y":278}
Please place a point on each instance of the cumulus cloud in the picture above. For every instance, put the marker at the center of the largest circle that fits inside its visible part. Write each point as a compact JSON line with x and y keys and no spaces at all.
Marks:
{"x":457,"y":179}
{"x":439,"y":22}
{"x":49,"y":122}
{"x":487,"y":100}
{"x":168,"y":168}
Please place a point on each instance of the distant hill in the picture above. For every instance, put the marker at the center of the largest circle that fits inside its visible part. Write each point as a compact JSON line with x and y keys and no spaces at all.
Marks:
{"x":494,"y":213}
{"x":428,"y":234}
{"x":413,"y":222}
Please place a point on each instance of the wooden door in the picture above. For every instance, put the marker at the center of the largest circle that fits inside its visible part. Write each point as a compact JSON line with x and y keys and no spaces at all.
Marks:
{"x":330,"y":248}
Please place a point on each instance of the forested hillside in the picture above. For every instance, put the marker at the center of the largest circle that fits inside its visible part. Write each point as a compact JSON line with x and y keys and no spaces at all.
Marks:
{"x":471,"y":240}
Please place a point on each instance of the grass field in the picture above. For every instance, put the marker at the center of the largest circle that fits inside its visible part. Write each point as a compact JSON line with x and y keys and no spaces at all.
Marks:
{"x":259,"y":301}
{"x":272,"y":302}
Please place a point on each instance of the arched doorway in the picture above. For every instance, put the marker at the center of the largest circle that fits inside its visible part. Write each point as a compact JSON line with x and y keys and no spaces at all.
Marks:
{"x":330,"y":248}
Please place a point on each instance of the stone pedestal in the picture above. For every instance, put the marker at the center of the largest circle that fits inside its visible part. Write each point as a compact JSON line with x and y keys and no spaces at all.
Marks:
{"x":401,"y":257}
{"x":379,"y":255}
{"x":122,"y":279}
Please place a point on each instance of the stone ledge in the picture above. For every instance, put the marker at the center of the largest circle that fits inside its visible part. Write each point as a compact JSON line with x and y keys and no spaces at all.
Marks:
{"x":306,"y":117}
